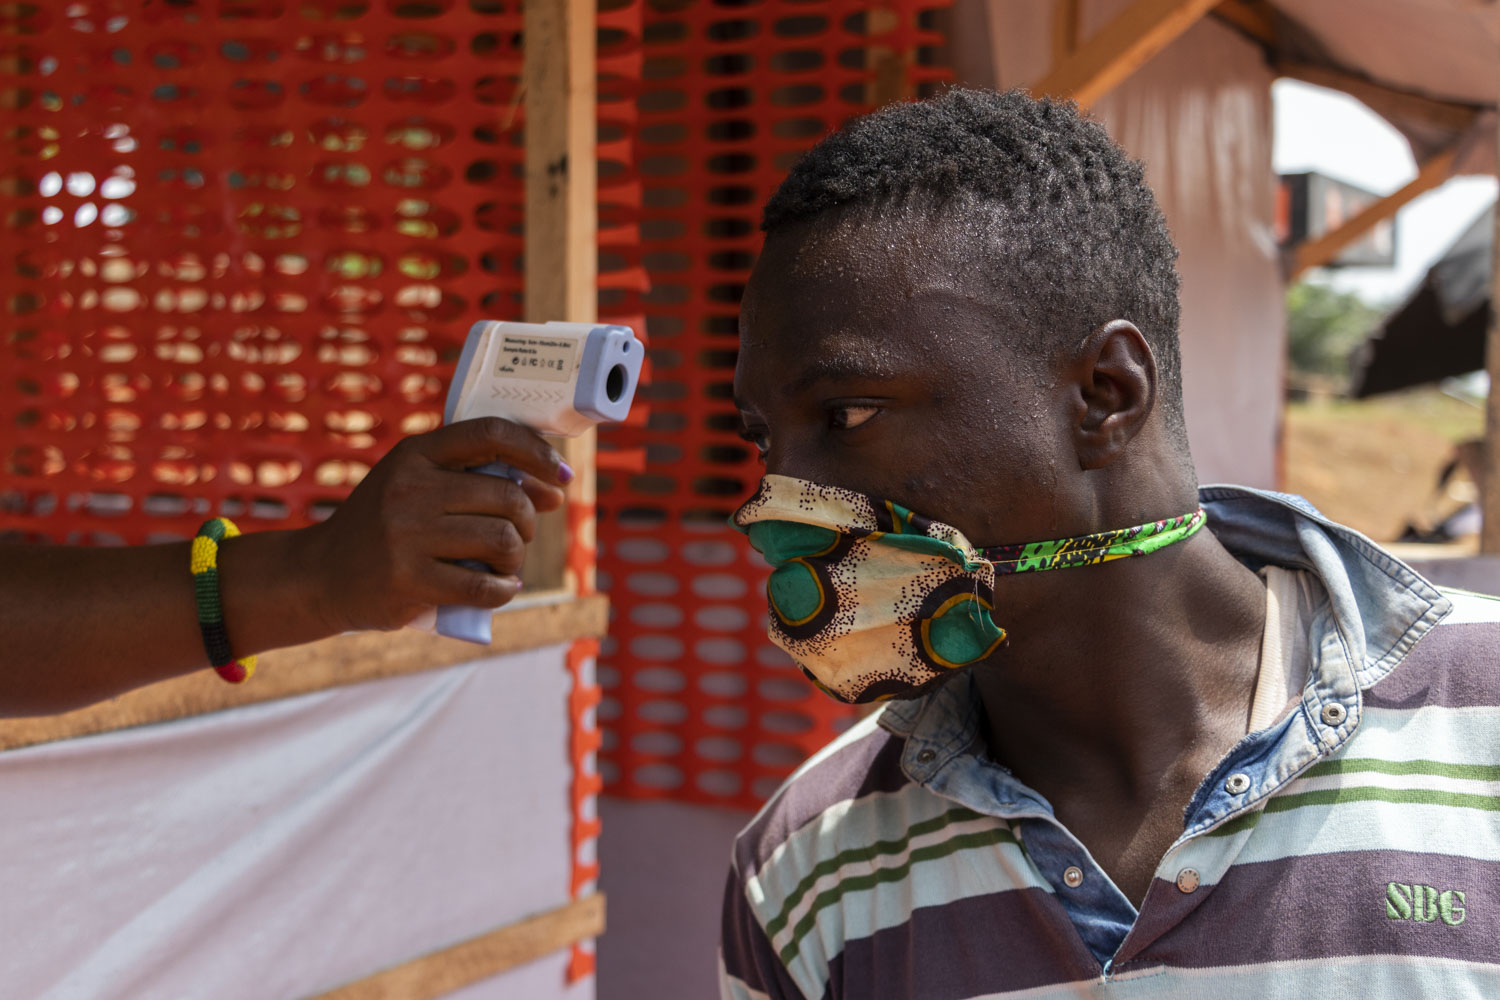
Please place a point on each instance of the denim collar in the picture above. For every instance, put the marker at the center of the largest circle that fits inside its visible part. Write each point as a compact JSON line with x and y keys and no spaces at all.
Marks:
{"x":1377,"y":610}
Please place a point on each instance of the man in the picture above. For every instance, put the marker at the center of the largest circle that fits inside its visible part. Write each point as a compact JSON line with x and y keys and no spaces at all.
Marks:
{"x":1243,"y":761}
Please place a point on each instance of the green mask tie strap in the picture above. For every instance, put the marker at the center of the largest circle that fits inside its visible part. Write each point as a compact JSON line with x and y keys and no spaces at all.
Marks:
{"x":1088,"y":550}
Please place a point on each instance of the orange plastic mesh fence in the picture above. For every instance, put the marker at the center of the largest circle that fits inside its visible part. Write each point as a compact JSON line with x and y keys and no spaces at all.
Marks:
{"x":698,"y":705}
{"x":244,"y":240}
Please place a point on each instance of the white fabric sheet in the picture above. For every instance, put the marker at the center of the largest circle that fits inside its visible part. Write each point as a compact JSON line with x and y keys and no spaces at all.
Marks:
{"x":283,"y":849}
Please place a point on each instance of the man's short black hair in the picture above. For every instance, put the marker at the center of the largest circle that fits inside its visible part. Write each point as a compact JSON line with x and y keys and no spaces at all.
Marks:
{"x":1081,"y":240}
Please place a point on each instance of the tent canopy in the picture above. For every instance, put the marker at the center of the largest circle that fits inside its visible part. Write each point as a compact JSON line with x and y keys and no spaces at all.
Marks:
{"x":1429,"y":67}
{"x":1432,"y":69}
{"x":1440,"y":331}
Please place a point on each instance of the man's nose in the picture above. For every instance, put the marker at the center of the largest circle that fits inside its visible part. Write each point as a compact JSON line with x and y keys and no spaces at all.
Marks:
{"x":796,"y":460}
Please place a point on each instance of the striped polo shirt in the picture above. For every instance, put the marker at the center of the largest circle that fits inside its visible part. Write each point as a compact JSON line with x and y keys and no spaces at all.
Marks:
{"x":1350,"y":849}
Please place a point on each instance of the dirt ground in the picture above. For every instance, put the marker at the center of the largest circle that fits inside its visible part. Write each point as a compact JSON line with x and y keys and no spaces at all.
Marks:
{"x":1374,"y":464}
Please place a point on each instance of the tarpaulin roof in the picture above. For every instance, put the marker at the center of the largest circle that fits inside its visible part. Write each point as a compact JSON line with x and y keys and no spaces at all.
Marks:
{"x":1439,"y":331}
{"x":1446,"y":50}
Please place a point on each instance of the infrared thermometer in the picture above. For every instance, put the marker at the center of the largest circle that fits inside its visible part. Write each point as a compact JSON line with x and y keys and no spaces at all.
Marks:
{"x":556,"y":378}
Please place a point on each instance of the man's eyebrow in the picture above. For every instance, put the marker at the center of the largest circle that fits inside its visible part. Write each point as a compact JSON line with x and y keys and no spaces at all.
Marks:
{"x":846,"y":365}
{"x":838,"y":366}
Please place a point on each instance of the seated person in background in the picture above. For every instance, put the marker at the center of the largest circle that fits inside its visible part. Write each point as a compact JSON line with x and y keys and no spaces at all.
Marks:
{"x":81,"y":624}
{"x":1468,"y":518}
{"x":1202,"y":740}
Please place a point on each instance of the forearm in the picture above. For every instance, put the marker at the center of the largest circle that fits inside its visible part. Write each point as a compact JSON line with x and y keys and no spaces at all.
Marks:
{"x":82,"y":624}
{"x":78,"y":625}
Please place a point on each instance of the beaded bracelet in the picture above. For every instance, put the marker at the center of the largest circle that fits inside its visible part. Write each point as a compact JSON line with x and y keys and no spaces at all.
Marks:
{"x":205,"y":566}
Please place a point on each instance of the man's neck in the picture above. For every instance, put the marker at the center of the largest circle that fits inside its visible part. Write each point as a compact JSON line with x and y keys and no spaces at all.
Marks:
{"x":1122,"y":685}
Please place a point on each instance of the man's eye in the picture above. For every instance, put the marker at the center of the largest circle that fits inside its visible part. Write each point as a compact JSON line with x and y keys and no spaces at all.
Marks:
{"x":845,"y":418}
{"x":758,"y":437}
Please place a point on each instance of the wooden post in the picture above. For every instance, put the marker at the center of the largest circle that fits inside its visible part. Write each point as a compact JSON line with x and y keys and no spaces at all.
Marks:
{"x":558,"y":76}
{"x":1489,"y":490}
{"x":892,"y":81}
{"x":561,"y":253}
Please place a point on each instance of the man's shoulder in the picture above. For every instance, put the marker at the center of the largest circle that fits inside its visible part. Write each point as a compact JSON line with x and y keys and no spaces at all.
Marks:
{"x":846,"y":780}
{"x":1453,"y":665}
{"x":1470,"y":608}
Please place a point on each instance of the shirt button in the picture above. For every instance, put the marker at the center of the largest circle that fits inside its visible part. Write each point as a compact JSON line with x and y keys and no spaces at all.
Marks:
{"x":1072,"y":876}
{"x":1187,"y":880}
{"x":926,"y":756}
{"x":1238,"y":784}
{"x":1333,"y":713}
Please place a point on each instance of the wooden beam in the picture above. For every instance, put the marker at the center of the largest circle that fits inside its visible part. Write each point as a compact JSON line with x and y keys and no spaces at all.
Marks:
{"x":1254,"y":17}
{"x":1317,"y":252}
{"x":443,"y":972}
{"x":1120,"y":48}
{"x":562,"y":262}
{"x":1388,"y":102}
{"x":317,"y":666}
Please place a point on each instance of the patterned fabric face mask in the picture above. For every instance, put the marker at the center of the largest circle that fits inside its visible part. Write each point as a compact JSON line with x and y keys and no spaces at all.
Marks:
{"x":875,"y":602}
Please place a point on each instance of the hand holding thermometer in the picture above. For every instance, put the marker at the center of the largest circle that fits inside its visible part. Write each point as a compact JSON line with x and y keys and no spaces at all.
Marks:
{"x":556,"y":378}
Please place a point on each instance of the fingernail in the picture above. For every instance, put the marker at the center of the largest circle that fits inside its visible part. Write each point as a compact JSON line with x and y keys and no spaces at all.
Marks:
{"x":564,"y":472}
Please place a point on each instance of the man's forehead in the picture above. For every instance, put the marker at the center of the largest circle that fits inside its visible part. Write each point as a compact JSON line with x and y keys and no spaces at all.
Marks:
{"x":883,"y":337}
{"x":845,"y":272}
{"x":866,"y":290}
{"x":838,"y":245}
{"x":839,"y":353}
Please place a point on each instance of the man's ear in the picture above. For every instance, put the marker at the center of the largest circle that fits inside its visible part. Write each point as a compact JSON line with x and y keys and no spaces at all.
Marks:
{"x":1115,"y":386}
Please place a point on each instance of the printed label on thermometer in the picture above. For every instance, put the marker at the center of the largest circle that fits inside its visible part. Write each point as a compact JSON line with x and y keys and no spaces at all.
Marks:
{"x":548,"y":358}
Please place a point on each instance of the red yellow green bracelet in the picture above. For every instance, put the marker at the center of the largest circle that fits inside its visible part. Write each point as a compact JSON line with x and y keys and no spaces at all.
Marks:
{"x":205,"y":566}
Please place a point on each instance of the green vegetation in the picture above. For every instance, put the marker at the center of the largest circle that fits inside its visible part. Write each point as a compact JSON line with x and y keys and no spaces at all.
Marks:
{"x":1324,"y":327}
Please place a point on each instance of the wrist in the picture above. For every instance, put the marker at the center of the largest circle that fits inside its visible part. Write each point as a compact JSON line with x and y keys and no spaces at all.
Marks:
{"x":313,"y":579}
{"x":273,"y":590}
